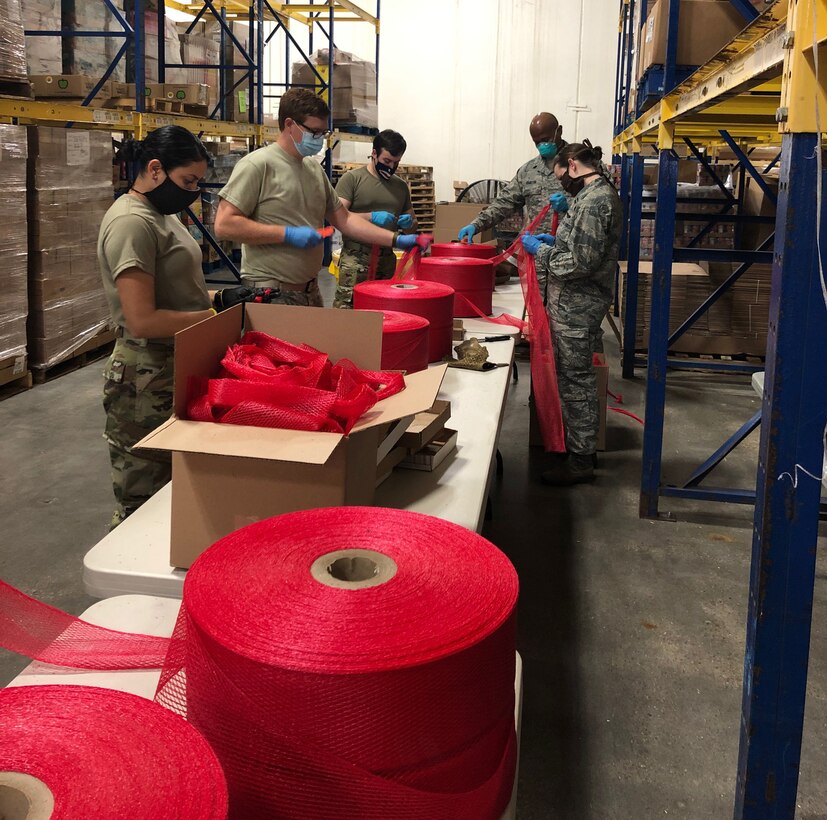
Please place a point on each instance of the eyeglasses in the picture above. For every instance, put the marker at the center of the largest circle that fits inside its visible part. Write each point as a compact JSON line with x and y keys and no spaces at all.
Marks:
{"x":315,"y":134}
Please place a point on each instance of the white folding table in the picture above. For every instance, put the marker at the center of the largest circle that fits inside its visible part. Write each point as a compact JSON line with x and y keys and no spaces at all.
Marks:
{"x":151,"y":615}
{"x":134,"y":558}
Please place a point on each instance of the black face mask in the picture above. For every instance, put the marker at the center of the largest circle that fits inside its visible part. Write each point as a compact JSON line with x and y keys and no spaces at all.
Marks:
{"x":384,"y":171}
{"x":574,"y":185}
{"x":170,"y":198}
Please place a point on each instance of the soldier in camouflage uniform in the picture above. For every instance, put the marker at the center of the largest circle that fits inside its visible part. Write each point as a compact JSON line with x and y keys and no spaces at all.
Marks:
{"x":152,"y":278}
{"x":378,"y":195}
{"x":579,"y":269}
{"x":532,"y":185}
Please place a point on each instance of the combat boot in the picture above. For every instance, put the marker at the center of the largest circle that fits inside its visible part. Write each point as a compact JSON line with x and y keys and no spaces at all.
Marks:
{"x":576,"y":469}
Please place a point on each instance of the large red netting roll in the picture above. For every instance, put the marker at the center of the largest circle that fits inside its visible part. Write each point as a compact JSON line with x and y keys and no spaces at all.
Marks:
{"x":472,"y":279}
{"x":99,"y":753}
{"x":352,"y":664}
{"x":463,"y":249}
{"x":404,"y":341}
{"x":430,"y":300}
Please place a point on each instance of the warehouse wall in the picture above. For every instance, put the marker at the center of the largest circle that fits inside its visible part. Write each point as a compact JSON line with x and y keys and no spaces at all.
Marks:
{"x":461,"y":79}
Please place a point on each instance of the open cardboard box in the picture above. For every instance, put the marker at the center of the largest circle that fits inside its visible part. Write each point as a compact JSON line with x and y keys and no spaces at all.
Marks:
{"x":226,"y":476}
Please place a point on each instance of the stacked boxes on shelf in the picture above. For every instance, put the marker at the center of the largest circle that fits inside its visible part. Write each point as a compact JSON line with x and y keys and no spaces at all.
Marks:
{"x":14,"y":306}
{"x":420,"y":179}
{"x":735,"y":325}
{"x":722,"y":235}
{"x":354,"y":87}
{"x":43,"y":54}
{"x":12,"y":48}
{"x":91,"y":56}
{"x":199,"y":48}
{"x":69,"y":191}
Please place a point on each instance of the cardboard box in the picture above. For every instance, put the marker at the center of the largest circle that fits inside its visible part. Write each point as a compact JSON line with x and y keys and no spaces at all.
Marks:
{"x":190,"y":93}
{"x":152,"y":90}
{"x":451,"y":216}
{"x":226,"y":476}
{"x":67,"y":85}
{"x":704,"y":27}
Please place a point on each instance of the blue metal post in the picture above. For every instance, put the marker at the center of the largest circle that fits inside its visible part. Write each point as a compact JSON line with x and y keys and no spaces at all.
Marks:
{"x":630,"y":35}
{"x":260,"y":58}
{"x":633,"y":268}
{"x":139,"y":41}
{"x":162,"y":52}
{"x":746,"y":8}
{"x":624,"y":201}
{"x":619,"y":65}
{"x":787,"y":501}
{"x":669,"y":68}
{"x":661,"y":287}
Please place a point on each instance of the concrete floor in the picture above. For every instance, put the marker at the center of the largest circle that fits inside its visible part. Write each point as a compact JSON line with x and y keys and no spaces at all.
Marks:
{"x":631,"y":631}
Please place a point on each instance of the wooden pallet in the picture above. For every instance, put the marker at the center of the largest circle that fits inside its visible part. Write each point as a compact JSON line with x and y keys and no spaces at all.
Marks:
{"x":15,"y":377}
{"x":15,"y":89}
{"x":96,"y":348}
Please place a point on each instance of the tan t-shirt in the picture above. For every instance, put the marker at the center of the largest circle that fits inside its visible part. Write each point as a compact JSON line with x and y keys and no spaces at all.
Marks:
{"x":271,"y":187}
{"x":134,"y":234}
{"x":367,"y":193}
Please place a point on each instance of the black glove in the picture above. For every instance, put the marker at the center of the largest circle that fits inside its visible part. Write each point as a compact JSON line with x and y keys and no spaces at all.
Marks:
{"x":230,"y":297}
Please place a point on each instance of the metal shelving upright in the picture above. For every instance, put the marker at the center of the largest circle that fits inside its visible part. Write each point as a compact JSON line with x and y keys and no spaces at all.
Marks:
{"x":768,"y":86}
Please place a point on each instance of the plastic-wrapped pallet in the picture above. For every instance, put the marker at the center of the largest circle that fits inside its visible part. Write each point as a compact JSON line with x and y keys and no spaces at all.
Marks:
{"x":13,"y":249}
{"x":197,"y":48}
{"x":70,"y":189}
{"x":91,"y":56}
{"x":354,"y":86}
{"x":12,"y":43}
{"x":43,"y":54}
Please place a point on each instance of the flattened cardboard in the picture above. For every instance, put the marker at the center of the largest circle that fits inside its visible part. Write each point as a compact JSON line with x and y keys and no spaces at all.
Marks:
{"x":426,"y":425}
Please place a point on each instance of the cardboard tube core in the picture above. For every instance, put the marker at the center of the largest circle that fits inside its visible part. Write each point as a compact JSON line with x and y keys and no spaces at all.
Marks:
{"x":23,"y":797}
{"x":405,"y":287}
{"x":353,"y":569}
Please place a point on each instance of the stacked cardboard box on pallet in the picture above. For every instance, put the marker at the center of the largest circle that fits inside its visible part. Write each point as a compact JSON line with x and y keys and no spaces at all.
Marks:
{"x":13,"y":250}
{"x":69,"y":191}
{"x":735,"y":325}
{"x":91,"y":56}
{"x":12,"y":46}
{"x":44,"y":55}
{"x":354,"y":86}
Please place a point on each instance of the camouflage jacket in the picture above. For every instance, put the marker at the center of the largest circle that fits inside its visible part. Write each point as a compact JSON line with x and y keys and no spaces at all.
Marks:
{"x":588,"y":242}
{"x":530,"y":190}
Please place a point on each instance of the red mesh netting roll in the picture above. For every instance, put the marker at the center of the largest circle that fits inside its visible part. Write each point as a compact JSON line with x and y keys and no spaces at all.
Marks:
{"x":470,"y":278}
{"x":404,"y":341}
{"x":430,"y":300}
{"x":463,"y":249}
{"x":390,"y":700}
{"x":267,"y":382}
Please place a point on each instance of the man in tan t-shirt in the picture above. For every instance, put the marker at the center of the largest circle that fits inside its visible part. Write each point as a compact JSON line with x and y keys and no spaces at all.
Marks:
{"x":375,"y":193}
{"x":278,"y":199}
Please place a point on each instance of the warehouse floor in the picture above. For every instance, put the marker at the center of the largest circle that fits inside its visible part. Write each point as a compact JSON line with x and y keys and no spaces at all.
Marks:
{"x":631,"y":631}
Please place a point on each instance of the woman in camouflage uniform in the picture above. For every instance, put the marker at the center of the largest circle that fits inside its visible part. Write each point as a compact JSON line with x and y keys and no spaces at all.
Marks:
{"x":151,"y":270}
{"x":577,"y":269}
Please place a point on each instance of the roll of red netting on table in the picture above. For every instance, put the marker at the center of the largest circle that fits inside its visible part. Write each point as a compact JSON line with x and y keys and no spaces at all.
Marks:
{"x":463,"y":249}
{"x":471,"y":279}
{"x":354,"y":663}
{"x":404,"y":341}
{"x":79,"y":752}
{"x":430,"y":300}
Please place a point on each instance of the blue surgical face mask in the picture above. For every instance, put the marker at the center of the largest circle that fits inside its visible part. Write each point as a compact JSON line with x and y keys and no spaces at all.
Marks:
{"x":548,"y":150}
{"x":309,"y":145}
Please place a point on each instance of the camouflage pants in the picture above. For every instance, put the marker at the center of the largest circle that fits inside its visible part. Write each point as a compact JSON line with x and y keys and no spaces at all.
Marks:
{"x":137,"y":398}
{"x":309,"y":298}
{"x":575,"y":314}
{"x":353,"y":268}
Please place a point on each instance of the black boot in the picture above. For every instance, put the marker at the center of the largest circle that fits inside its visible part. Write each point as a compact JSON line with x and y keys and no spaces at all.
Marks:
{"x":576,"y":469}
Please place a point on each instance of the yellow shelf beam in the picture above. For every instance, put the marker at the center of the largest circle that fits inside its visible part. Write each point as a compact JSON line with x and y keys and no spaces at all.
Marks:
{"x":753,"y":60}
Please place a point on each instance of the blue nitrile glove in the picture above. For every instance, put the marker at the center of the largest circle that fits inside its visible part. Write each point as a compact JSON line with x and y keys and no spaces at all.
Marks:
{"x":410,"y":240}
{"x":384,"y":219}
{"x":301,"y":237}
{"x":531,"y":243}
{"x":559,"y":202}
{"x":405,"y":222}
{"x":546,"y":237}
{"x":466,"y":234}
